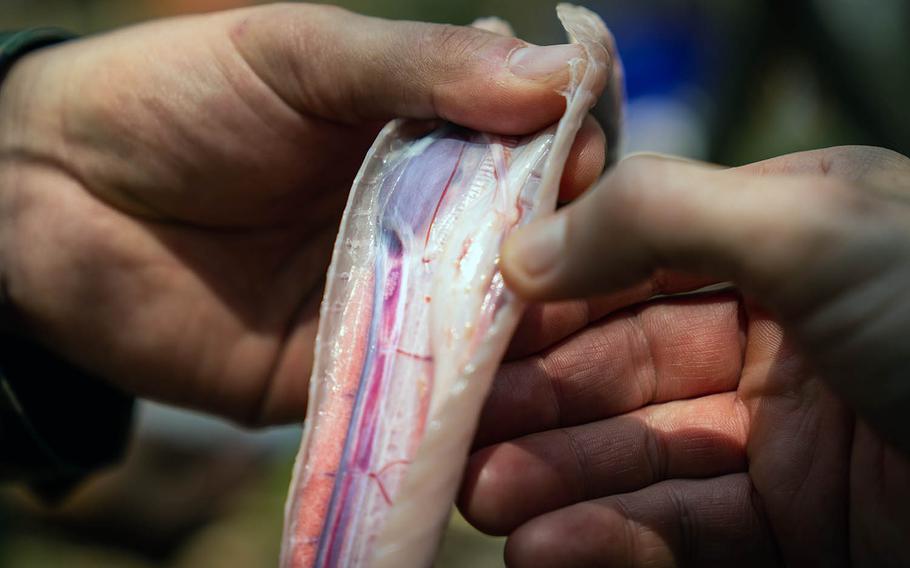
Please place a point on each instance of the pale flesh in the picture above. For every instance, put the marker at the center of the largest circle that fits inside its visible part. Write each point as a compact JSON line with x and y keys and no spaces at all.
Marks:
{"x":415,"y":320}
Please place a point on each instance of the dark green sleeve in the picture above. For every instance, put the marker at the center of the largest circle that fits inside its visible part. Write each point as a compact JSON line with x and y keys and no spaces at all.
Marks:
{"x":57,"y":423}
{"x":14,"y":45}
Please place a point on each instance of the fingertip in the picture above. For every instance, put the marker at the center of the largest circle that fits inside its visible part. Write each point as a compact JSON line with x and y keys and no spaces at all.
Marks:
{"x":478,"y":499}
{"x":532,"y":544}
{"x":514,"y":274}
{"x":509,"y":483}
{"x":585,"y":162}
{"x":532,"y":258}
{"x":581,"y":535}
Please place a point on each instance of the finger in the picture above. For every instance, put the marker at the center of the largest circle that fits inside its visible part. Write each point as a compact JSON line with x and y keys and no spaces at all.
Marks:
{"x":714,"y":522}
{"x":545,"y":324}
{"x":666,"y":350}
{"x":653,"y":212}
{"x":507,"y":484}
{"x":351,"y":68}
{"x":585,"y":162}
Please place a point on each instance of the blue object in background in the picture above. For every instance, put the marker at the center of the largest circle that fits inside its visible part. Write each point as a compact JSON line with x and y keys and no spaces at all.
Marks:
{"x":665,"y":51}
{"x":660,"y":54}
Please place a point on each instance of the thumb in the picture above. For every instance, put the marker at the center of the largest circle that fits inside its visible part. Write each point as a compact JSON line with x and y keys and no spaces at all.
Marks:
{"x":329,"y":62}
{"x":655,"y":213}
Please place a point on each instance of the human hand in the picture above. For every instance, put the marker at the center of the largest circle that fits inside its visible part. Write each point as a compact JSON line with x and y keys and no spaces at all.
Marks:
{"x":709,"y":430}
{"x":170,"y":192}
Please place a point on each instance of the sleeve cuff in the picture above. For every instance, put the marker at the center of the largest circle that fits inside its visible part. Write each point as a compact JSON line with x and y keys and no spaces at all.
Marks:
{"x":14,"y":45}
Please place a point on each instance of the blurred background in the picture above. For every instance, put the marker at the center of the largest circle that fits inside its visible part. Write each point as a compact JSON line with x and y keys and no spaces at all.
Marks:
{"x":731,"y":82}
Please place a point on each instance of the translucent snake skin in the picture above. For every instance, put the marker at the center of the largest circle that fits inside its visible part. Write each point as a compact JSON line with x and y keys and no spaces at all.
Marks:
{"x":415,"y":320}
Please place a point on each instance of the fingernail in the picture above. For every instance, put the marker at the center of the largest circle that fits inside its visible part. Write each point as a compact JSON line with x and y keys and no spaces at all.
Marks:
{"x":536,"y":62}
{"x":538,"y":248}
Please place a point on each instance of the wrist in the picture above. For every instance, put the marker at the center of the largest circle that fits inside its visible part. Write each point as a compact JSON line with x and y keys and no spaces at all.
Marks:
{"x":24,"y":136}
{"x":57,"y":423}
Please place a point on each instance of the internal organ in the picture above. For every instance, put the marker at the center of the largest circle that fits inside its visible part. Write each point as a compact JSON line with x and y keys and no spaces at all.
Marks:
{"x":450,"y":176}
{"x":415,"y":320}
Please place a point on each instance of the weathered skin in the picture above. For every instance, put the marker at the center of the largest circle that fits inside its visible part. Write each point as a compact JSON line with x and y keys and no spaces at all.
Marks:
{"x":415,"y":320}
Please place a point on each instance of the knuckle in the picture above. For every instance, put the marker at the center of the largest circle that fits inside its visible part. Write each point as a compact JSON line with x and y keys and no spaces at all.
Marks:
{"x":453,"y":41}
{"x":841,"y":158}
{"x":441,"y":56}
{"x":688,"y":525}
{"x":629,"y":534}
{"x":581,"y":462}
{"x":304,"y":24}
{"x":859,"y":158}
{"x":655,"y":453}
